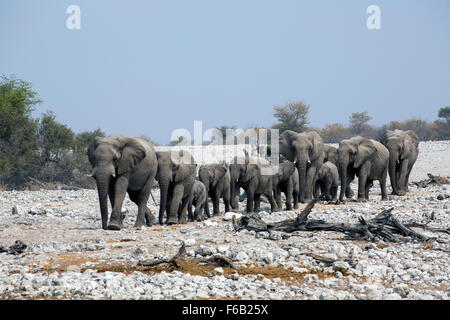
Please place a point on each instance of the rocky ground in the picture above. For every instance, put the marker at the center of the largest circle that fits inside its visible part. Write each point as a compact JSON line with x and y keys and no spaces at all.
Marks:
{"x":69,"y":256}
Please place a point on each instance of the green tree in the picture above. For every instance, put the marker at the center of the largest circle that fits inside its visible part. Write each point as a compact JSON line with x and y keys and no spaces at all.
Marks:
{"x":54,"y":138}
{"x":292,"y":116}
{"x":18,"y":135}
{"x":358,"y":122}
{"x":445,"y":114}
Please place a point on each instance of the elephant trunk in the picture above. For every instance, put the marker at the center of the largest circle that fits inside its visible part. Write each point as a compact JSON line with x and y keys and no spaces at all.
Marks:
{"x":302,"y":164}
{"x":164,"y":190}
{"x":343,"y":168}
{"x":233,"y":195}
{"x":393,"y":159}
{"x":103,"y":178}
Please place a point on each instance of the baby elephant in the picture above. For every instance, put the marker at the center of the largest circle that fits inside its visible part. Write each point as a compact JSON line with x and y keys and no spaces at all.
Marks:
{"x":198,"y":200}
{"x":286,"y":181}
{"x":327,"y":181}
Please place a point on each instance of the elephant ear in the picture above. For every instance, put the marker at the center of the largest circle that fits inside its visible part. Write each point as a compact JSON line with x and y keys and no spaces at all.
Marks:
{"x":414,"y":138}
{"x":317,"y":149}
{"x":366,"y":150}
{"x":184,"y":171}
{"x":286,"y":149}
{"x":91,"y":150}
{"x":409,"y":144}
{"x":250,"y":172}
{"x":219,"y":172}
{"x":186,"y":167}
{"x":132,"y":153}
{"x":287,"y":170}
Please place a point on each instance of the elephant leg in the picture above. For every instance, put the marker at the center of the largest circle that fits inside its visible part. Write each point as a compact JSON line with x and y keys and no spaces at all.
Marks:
{"x":334,"y":193}
{"x":176,"y":198}
{"x":226,"y":201}
{"x":328,"y":190}
{"x":250,"y":197}
{"x":182,"y":217}
{"x":216,"y":200}
{"x":120,"y":190}
{"x":402,"y":177}
{"x":191,"y":216}
{"x":257,"y":203}
{"x":382,"y":180}
{"x":289,"y":192}
{"x":149,"y":218}
{"x":362,"y":180}
{"x":198,"y":216}
{"x":295,"y":197}
{"x":207,"y":206}
{"x":369,"y":184}
{"x":273,"y":204}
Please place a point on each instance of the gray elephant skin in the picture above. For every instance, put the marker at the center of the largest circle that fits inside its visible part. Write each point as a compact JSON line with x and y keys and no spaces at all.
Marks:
{"x":403,"y":149}
{"x":331,"y":154}
{"x":368,"y":160}
{"x":198,"y":200}
{"x":176,"y":177}
{"x":254,"y":175}
{"x":306,"y":150}
{"x":327,"y":181}
{"x":286,"y":181}
{"x":216,"y":178}
{"x":120,"y":165}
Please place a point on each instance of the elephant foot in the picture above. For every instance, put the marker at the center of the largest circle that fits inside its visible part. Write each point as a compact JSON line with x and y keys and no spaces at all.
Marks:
{"x":183,"y":221}
{"x":172,"y":220}
{"x":401,"y":193}
{"x":150,"y":220}
{"x":384,"y":199}
{"x":114,"y":226}
{"x":361,"y":200}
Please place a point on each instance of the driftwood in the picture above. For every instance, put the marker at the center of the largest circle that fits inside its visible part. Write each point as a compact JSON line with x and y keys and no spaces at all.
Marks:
{"x":216,"y":260}
{"x":433,"y":180}
{"x":383,"y":226}
{"x":17,"y":248}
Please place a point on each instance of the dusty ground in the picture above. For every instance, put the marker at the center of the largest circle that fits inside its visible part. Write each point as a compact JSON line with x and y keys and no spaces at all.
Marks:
{"x":69,"y":256}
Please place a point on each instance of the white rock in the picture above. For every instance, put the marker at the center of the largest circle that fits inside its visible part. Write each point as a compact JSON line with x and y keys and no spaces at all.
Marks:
{"x":190,"y":242}
{"x":228,"y":216}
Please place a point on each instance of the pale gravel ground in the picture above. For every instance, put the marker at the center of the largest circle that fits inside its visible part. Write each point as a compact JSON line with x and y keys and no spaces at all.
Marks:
{"x":68,"y":237}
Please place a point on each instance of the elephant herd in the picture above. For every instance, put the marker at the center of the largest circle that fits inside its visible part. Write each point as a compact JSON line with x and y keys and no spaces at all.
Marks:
{"x":310,"y":169}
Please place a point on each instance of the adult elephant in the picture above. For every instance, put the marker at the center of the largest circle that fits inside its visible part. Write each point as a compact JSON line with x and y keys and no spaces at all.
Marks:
{"x":403,"y":149}
{"x":216,"y":179}
{"x":254,"y":175}
{"x":366,"y":158}
{"x":306,"y":150}
{"x":120,"y":165}
{"x":176,"y":176}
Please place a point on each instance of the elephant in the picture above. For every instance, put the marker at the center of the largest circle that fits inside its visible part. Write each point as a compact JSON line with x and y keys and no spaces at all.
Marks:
{"x":176,"y":177}
{"x":403,"y":149}
{"x":286,"y":181}
{"x":254,"y":175}
{"x":120,"y":165}
{"x":306,"y":150}
{"x":327,"y":181}
{"x":216,"y":178}
{"x":331,"y":154}
{"x":366,"y":158}
{"x":198,"y":200}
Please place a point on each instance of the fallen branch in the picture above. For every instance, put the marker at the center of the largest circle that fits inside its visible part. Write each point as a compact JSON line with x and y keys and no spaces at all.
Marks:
{"x":216,"y":260}
{"x":383,"y":226}
{"x":432,"y":180}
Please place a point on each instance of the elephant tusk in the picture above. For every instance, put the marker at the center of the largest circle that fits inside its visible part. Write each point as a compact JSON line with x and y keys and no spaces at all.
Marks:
{"x":89,"y":175}
{"x":113,"y":175}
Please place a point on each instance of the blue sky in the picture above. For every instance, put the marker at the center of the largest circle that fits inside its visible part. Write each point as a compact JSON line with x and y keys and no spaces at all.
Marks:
{"x":149,"y":67}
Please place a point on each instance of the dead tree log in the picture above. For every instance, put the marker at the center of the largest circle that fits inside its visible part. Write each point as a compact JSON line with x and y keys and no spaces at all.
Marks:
{"x":383,"y":226}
